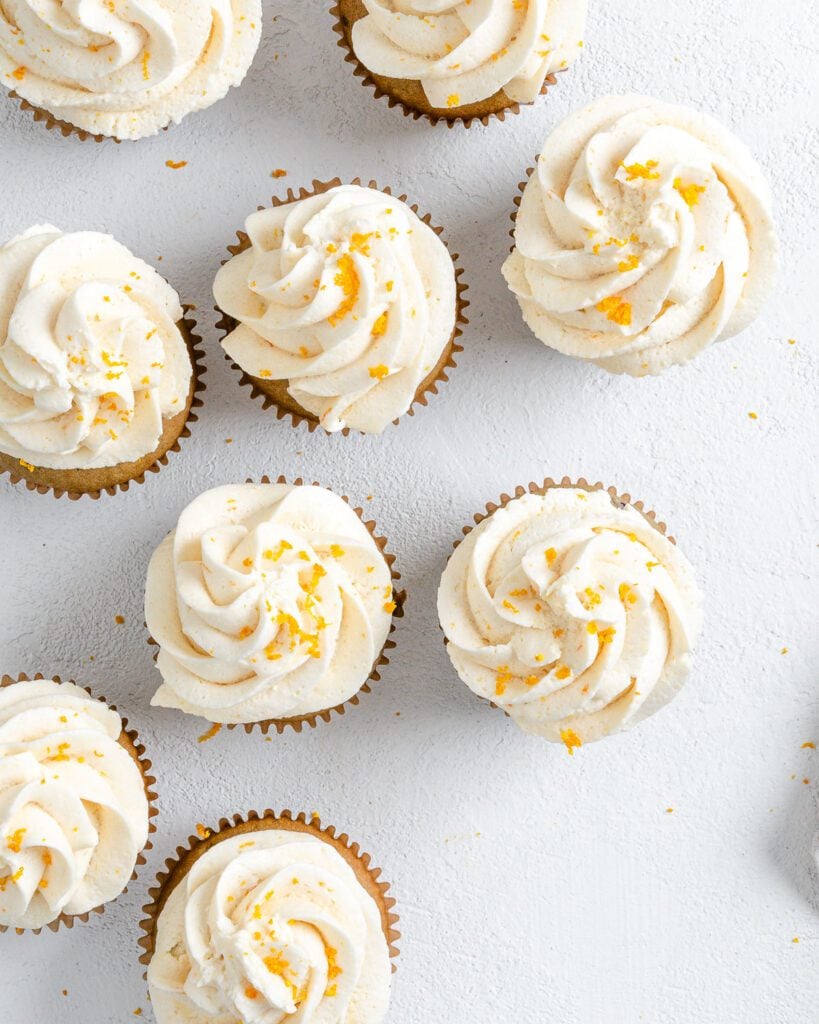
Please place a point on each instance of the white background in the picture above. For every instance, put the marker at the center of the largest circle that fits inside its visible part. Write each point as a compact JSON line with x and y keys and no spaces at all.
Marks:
{"x":532,"y":887}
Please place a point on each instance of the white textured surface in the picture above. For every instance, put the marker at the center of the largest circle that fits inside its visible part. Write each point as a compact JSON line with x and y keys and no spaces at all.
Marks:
{"x":532,"y":886}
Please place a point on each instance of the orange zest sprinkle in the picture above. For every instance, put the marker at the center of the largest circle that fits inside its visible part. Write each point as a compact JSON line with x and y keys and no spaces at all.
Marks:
{"x":348,"y":280}
{"x":202,"y":832}
{"x":551,"y":555}
{"x":176,"y":165}
{"x":453,"y":100}
{"x":645,"y":171}
{"x":26,"y":465}
{"x":571,"y":739}
{"x":810,"y":745}
{"x":380,"y":325}
{"x":691,"y":193}
{"x":379,"y":372}
{"x":120,"y":620}
{"x":617,"y":309}
{"x":280,"y":172}
{"x":503,"y":677}
{"x":19,"y":73}
{"x":15,"y":841}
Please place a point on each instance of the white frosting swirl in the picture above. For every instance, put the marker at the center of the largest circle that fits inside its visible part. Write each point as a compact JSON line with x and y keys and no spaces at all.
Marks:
{"x":644,"y":236}
{"x":464,"y":51}
{"x":91,"y":358}
{"x":267,"y":601}
{"x":267,"y":927}
{"x":349,"y":296}
{"x":573,"y":614}
{"x":73,"y":810}
{"x":126,"y":68}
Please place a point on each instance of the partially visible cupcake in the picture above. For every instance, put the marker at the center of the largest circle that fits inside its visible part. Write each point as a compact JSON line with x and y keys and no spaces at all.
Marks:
{"x":342,"y":307}
{"x":568,"y":607}
{"x":125,"y":72}
{"x":271,"y":605}
{"x":98,"y":368}
{"x":74,"y":804}
{"x":268,"y":919}
{"x":448,"y":61}
{"x":644,"y":235}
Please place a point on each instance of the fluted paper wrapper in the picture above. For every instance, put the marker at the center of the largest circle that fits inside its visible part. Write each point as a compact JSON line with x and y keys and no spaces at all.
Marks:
{"x":93,"y":483}
{"x":178,"y":866}
{"x":408,"y":94}
{"x":274,"y":393}
{"x":298,"y":722}
{"x":566,"y":483}
{"x":128,"y":739}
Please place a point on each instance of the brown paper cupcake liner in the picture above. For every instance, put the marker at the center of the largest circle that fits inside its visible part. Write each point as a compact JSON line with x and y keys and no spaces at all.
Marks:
{"x":178,"y":866}
{"x":129,"y":740}
{"x":298,"y":722}
{"x":92,"y":483}
{"x":274,"y":392}
{"x":408,"y":94}
{"x":52,"y":123}
{"x":565,"y":483}
{"x":513,"y":216}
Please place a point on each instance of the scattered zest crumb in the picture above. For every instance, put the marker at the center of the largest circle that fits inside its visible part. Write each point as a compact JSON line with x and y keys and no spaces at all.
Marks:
{"x":752,"y":416}
{"x":228,"y":440}
{"x":280,"y":172}
{"x":138,"y":1011}
{"x":214,"y":730}
{"x":120,"y":620}
{"x":809,"y":745}
{"x":176,"y":165}
{"x":26,"y":465}
{"x":784,"y":650}
{"x":791,"y":341}
{"x":571,"y":739}
{"x":795,"y":940}
{"x":669,"y":810}
{"x":202,"y":832}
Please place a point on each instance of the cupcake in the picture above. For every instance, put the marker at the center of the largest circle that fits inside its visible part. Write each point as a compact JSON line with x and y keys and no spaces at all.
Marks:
{"x":568,"y":607}
{"x":271,"y":604}
{"x":267,"y":919}
{"x":74,"y":804}
{"x":98,"y":369}
{"x":125,"y":72}
{"x":342,"y":307}
{"x":446,"y":61}
{"x":644,"y":236}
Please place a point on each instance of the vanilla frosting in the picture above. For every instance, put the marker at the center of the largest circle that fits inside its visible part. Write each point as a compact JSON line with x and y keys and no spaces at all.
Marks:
{"x":91,"y":357}
{"x":267,"y":601}
{"x":127,"y":68}
{"x":571,"y":612}
{"x":73,"y":810}
{"x":464,"y":51}
{"x":270,"y":926}
{"x":644,"y":235}
{"x":349,"y":296}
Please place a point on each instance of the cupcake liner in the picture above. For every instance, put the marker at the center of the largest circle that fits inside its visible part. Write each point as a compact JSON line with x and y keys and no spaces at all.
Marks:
{"x":177,"y":867}
{"x":565,"y":483}
{"x":109,"y":480}
{"x":52,"y":123}
{"x":298,"y":722}
{"x":414,"y":103}
{"x":513,"y":216}
{"x":274,"y":392}
{"x":129,"y":739}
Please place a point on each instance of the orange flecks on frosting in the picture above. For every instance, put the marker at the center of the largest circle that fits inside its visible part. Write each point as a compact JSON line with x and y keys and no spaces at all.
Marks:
{"x":176,"y":165}
{"x":213,"y":731}
{"x":245,"y":632}
{"x":19,"y":73}
{"x":510,"y":607}
{"x":617,"y":309}
{"x":14,"y":841}
{"x":360,"y":242}
{"x":337,"y":551}
{"x":605,"y":636}
{"x":551,"y":555}
{"x":247,"y":562}
{"x":379,"y":372}
{"x":146,"y":60}
{"x":503,"y":677}
{"x":591,"y":627}
{"x":453,"y":100}
{"x":18,"y":874}
{"x":571,"y":739}
{"x":389,"y":607}
{"x":590,"y":598}
{"x":632,"y":263}
{"x":348,"y":280}
{"x":251,"y":992}
{"x":627,"y":595}
{"x":274,"y":556}
{"x":380,"y":325}
{"x":690,"y":192}
{"x":645,"y":171}
{"x":563,"y":672}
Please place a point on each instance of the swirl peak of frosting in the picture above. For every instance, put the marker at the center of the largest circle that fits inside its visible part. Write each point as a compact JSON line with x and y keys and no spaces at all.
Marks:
{"x":644,"y":236}
{"x":91,"y":357}
{"x":267,"y":601}
{"x":270,"y":926}
{"x":349,"y":296}
{"x":465,"y":52}
{"x":126,"y":70}
{"x":571,"y":612}
{"x":73,"y":809}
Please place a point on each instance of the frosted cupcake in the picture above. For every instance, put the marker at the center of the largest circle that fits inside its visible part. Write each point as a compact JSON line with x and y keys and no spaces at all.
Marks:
{"x":97,"y":363}
{"x":125,"y":72}
{"x":271,"y":604}
{"x":74,"y":804}
{"x":644,"y":236}
{"x":447,"y":60}
{"x":569,"y":608}
{"x":270,"y":919}
{"x":342,"y":307}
